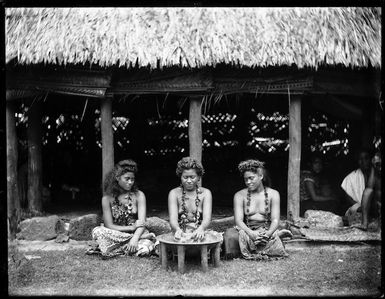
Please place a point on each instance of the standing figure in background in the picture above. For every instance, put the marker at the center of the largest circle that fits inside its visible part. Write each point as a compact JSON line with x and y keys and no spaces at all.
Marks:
{"x":316,"y":192}
{"x":124,"y":215}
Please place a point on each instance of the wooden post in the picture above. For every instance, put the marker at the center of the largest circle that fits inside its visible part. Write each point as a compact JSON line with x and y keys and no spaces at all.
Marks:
{"x":216,"y":251}
{"x":163,"y":255}
{"x":204,"y":261}
{"x":181,"y":258}
{"x":13,"y":200}
{"x":195,"y":130}
{"x":35,"y":168}
{"x":107,"y":136}
{"x":293,"y":180}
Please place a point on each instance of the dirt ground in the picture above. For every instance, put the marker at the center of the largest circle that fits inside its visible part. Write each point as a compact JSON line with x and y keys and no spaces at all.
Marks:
{"x":312,"y":269}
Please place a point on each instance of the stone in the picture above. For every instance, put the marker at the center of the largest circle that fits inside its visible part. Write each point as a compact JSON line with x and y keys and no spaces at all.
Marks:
{"x":317,"y":218}
{"x":40,"y":228}
{"x":80,"y":228}
{"x":157,"y":225}
{"x":62,"y":238}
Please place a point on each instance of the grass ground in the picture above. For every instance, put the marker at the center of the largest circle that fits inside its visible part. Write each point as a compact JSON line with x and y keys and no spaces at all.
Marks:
{"x":327,"y":270}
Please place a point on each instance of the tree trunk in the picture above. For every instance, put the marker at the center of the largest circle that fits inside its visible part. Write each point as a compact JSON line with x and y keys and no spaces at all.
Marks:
{"x":293,"y":181}
{"x":107,"y":136}
{"x":35,"y":173}
{"x":13,"y":200}
{"x":195,"y":129}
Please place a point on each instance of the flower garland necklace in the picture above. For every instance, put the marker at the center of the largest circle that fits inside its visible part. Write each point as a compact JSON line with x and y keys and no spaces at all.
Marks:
{"x":129,"y":205}
{"x":183,"y":217}
{"x":267,"y":214}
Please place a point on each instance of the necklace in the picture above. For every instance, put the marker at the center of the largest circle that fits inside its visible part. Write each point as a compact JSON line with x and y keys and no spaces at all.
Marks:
{"x":183,"y":217}
{"x":267,"y":214}
{"x":129,"y":205}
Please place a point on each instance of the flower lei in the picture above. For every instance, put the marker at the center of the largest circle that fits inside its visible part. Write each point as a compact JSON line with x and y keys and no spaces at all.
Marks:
{"x":266,"y":207}
{"x":129,"y":205}
{"x":124,"y":214}
{"x":183,"y":217}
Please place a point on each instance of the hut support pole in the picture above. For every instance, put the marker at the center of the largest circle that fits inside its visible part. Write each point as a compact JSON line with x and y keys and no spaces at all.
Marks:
{"x":293,"y":180}
{"x":35,"y":167}
{"x":13,"y":200}
{"x":195,"y":129}
{"x":107,"y":136}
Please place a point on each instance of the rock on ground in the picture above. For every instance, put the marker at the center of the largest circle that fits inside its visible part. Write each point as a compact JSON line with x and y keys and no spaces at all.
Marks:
{"x":40,"y":228}
{"x":80,"y":228}
{"x":157,"y":225}
{"x":62,"y":238}
{"x":318,"y":218}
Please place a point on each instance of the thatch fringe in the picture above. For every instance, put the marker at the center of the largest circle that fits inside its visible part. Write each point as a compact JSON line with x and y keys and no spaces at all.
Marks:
{"x":195,"y":37}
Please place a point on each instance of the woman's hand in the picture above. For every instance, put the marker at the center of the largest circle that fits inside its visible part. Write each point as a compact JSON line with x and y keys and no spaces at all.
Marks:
{"x":178,"y":234}
{"x":199,"y":234}
{"x":132,"y":245}
{"x":259,"y":236}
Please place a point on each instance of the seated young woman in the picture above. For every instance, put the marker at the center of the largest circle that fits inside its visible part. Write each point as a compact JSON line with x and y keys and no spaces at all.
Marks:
{"x":256,"y":215}
{"x":124,"y":215}
{"x":190,"y":205}
{"x":316,"y":192}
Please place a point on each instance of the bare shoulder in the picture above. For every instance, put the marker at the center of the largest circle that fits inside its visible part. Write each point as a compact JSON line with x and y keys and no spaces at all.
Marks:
{"x":140,"y":195}
{"x":175,"y":192}
{"x":205,"y":191}
{"x":240,"y":194}
{"x":272,"y":192}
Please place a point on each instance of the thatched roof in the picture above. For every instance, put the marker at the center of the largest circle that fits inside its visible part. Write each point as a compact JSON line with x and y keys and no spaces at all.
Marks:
{"x":195,"y":37}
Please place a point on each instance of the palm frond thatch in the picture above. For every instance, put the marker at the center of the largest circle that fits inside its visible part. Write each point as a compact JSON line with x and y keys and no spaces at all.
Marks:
{"x":195,"y":37}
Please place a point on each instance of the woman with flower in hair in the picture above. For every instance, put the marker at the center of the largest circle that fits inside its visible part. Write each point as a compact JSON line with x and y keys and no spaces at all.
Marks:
{"x":256,"y":215}
{"x":124,"y":215}
{"x":190,"y":205}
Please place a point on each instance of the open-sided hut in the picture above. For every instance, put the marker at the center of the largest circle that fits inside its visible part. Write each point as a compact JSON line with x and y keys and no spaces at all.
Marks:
{"x":199,"y":53}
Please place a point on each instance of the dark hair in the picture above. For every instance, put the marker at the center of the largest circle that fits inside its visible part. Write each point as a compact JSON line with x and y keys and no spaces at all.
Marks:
{"x":111,"y":186}
{"x":189,"y":163}
{"x":361,"y":150}
{"x":308,"y":159}
{"x":253,"y":166}
{"x":316,"y":156}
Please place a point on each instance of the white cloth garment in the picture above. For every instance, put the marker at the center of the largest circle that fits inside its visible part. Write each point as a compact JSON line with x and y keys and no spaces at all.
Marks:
{"x":354,"y":185}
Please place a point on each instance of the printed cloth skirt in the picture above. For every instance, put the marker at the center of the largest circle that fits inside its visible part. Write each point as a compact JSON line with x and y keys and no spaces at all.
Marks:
{"x":111,"y":242}
{"x":238,"y":241}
